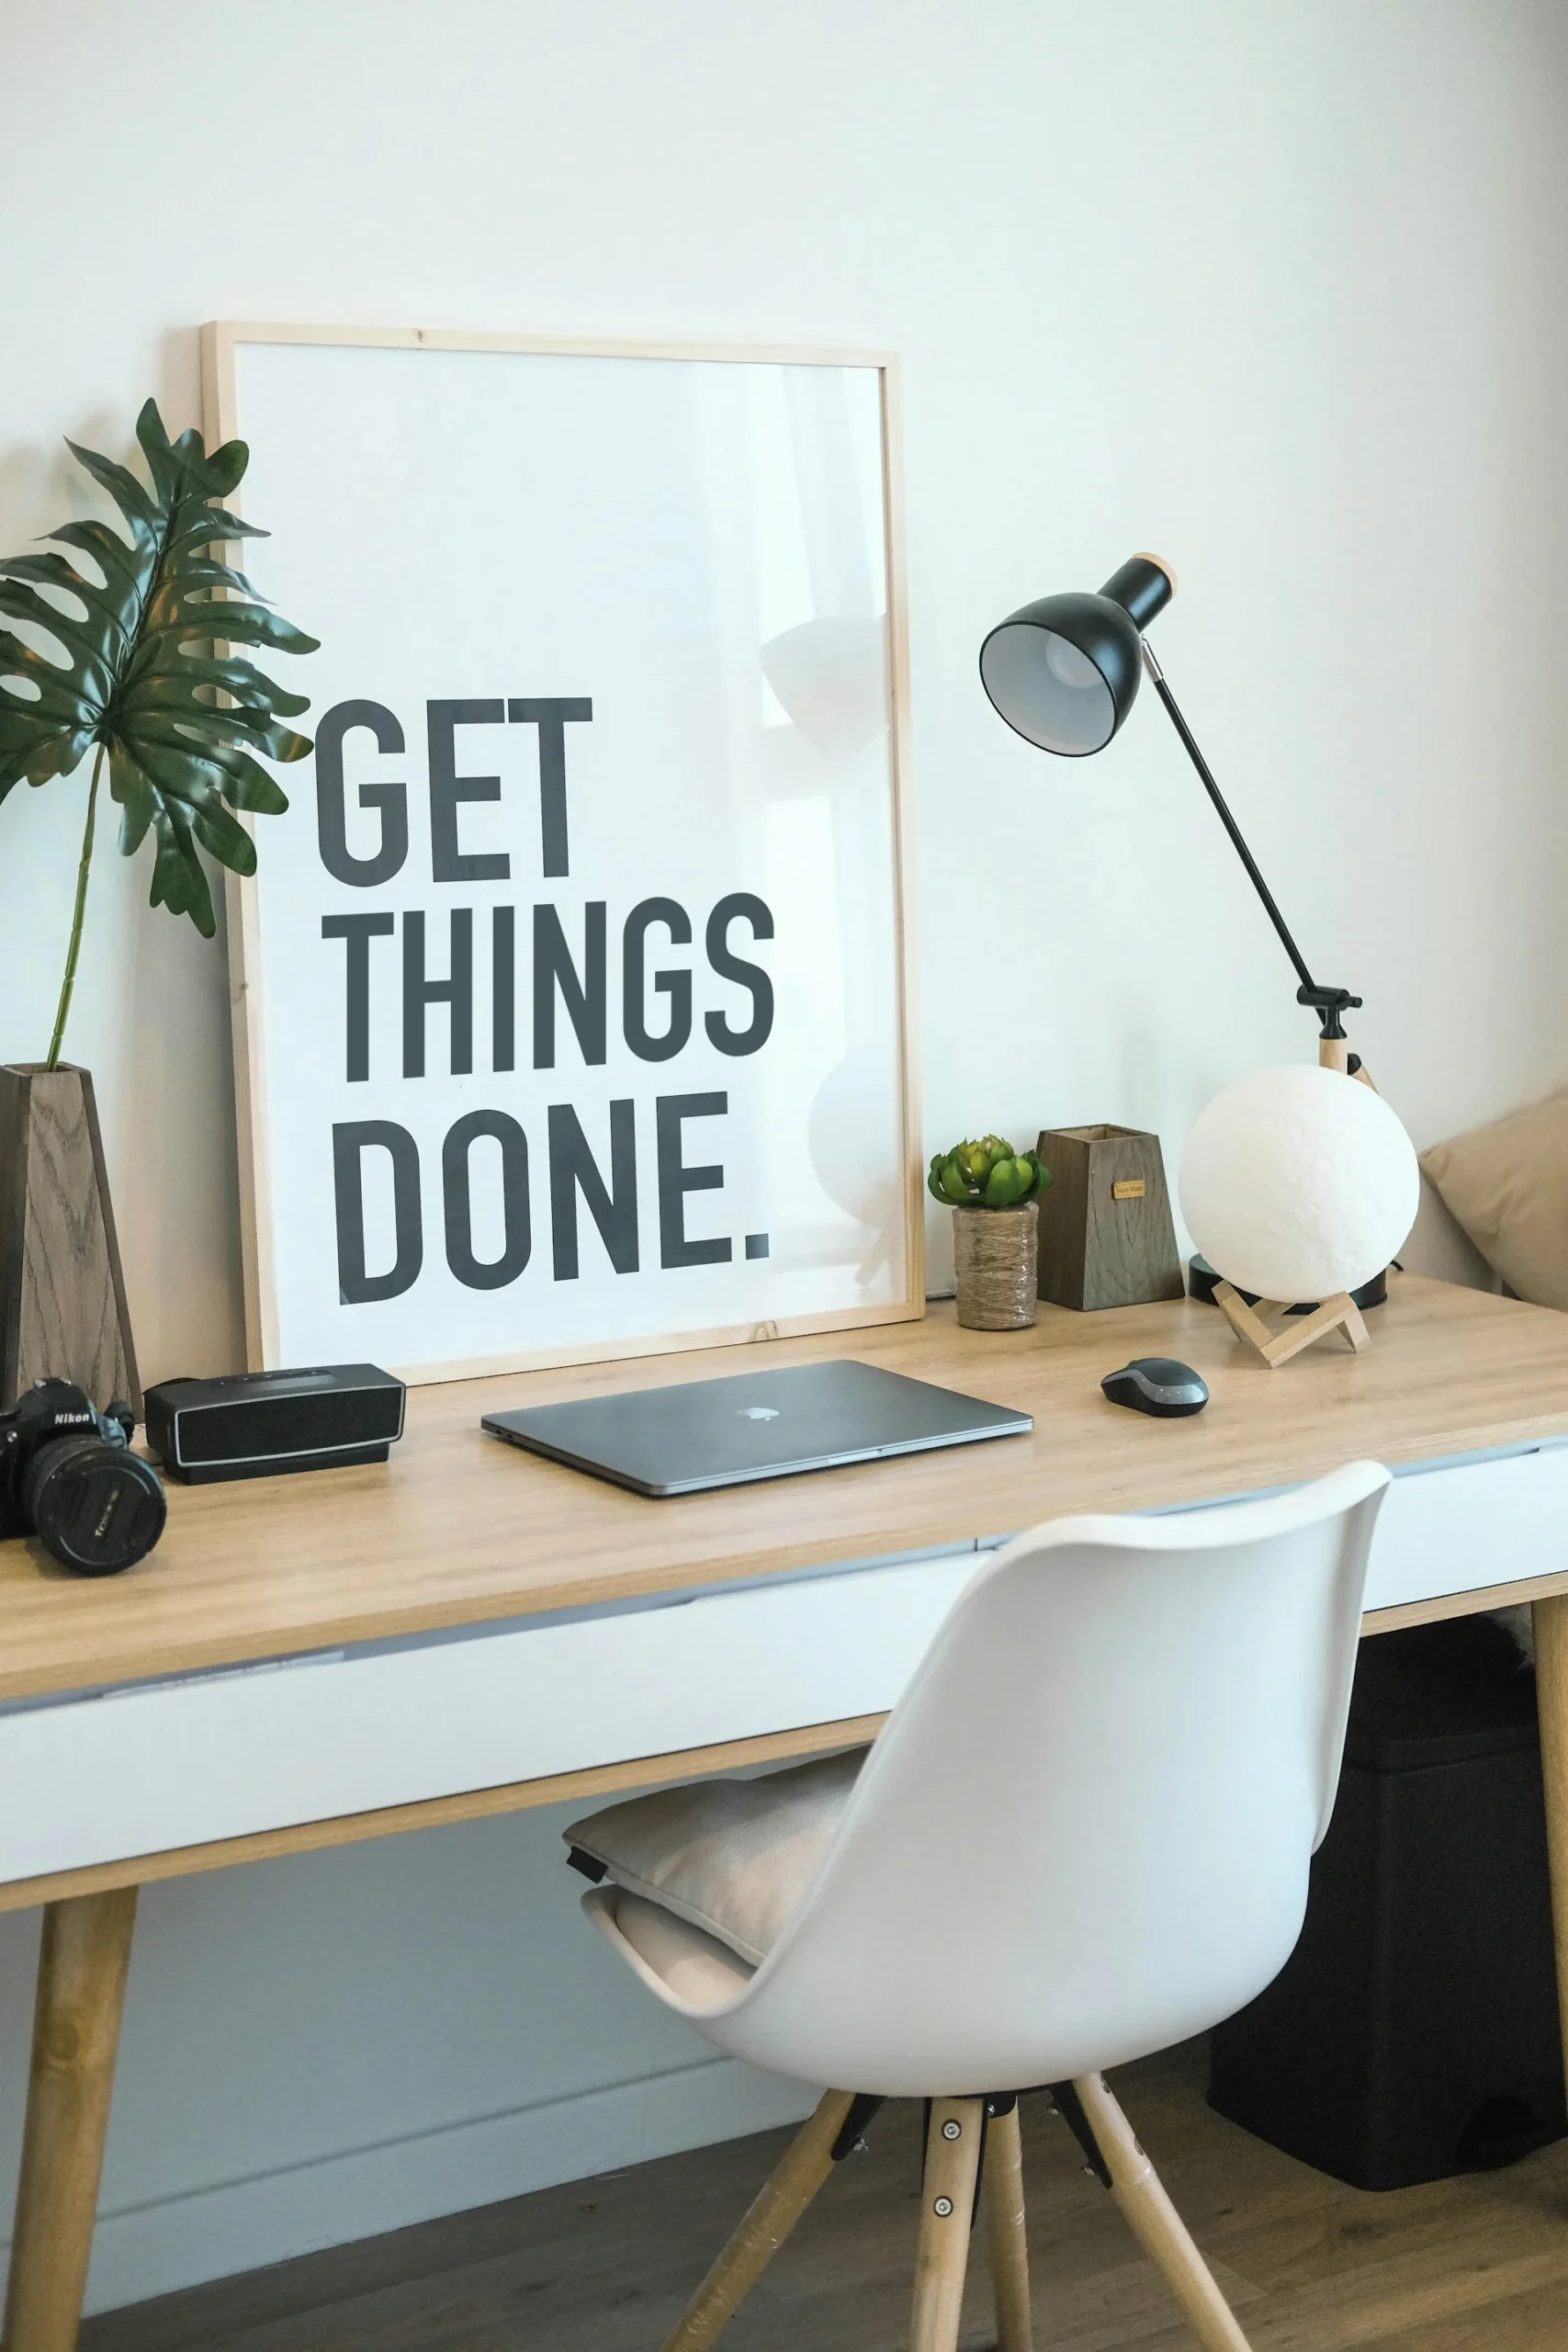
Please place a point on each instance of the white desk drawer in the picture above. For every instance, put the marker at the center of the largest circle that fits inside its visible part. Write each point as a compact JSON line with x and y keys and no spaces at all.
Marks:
{"x":94,"y":1780}
{"x":1478,"y":1523}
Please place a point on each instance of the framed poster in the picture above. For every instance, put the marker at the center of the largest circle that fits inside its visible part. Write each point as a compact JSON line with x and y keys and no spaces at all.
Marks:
{"x":572,"y":990}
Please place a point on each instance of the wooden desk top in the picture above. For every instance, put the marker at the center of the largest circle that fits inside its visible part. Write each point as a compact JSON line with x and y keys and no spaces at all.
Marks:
{"x":457,"y":1527}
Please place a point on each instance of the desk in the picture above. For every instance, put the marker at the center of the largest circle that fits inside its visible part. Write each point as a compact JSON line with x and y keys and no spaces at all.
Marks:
{"x":473,"y":1630}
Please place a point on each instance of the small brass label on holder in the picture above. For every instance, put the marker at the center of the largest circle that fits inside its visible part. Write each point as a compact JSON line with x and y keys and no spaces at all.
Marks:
{"x":1130,"y":1188}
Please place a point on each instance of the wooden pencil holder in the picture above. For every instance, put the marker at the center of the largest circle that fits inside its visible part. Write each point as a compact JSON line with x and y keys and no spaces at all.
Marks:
{"x":1106,"y":1234}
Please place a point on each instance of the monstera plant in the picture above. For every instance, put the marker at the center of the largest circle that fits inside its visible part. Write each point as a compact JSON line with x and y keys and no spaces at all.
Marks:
{"x":139,"y":671}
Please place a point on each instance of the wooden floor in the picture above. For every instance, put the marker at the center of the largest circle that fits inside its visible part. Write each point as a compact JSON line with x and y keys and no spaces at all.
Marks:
{"x":604,"y":2265}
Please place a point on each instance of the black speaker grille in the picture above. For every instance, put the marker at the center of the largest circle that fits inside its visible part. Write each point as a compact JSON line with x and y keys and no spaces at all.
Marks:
{"x":259,"y":1426}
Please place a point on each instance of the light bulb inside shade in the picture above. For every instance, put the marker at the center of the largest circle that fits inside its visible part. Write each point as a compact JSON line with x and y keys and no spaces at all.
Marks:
{"x":1072,"y":668}
{"x":1046,"y":688}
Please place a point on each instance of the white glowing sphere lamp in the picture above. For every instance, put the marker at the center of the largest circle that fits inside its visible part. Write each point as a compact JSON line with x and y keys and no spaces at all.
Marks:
{"x":1298,"y":1182}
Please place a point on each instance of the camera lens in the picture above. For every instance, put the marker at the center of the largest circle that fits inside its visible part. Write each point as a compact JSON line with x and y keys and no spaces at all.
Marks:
{"x":96,"y":1506}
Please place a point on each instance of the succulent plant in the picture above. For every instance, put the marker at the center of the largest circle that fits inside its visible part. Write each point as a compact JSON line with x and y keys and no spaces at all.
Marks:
{"x":987,"y":1175}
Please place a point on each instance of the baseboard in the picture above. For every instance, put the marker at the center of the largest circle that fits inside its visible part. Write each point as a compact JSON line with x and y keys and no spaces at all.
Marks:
{"x":146,"y":2250}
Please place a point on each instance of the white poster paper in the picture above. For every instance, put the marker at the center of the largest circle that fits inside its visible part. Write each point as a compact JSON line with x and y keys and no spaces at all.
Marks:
{"x":573,"y":1013}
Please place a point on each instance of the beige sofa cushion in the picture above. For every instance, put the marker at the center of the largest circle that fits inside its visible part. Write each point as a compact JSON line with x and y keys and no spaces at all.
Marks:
{"x":732,"y":1857}
{"x":1508,"y":1186}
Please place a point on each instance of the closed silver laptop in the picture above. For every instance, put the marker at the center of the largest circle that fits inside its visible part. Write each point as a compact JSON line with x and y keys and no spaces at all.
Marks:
{"x":681,"y":1439}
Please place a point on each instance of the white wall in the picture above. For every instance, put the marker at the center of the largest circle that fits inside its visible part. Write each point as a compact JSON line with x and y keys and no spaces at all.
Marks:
{"x":1276,"y":290}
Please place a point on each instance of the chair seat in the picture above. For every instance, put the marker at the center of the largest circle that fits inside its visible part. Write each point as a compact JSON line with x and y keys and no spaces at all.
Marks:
{"x":731,"y":1857}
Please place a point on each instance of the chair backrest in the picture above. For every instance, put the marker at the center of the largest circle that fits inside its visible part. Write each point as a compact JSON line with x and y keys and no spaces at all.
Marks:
{"x":1085,"y":1832}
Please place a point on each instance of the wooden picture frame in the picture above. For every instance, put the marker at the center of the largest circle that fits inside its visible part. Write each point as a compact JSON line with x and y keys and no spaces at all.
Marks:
{"x":256,"y":386}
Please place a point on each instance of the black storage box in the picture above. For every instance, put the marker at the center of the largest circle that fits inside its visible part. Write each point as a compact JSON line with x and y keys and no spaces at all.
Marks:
{"x":1413,"y":2032}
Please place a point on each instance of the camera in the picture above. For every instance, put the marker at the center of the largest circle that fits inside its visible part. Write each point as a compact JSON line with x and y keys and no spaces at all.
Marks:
{"x":68,"y":1475}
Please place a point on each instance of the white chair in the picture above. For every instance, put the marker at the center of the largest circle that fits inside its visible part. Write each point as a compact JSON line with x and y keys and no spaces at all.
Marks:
{"x":1082,"y":1836}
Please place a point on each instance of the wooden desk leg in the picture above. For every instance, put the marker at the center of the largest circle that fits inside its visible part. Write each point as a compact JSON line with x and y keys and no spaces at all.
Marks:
{"x":81,"y":1995}
{"x":1551,"y":1620}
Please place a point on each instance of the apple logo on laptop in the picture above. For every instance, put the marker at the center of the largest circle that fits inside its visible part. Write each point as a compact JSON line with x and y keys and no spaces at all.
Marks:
{"x":759,"y":1413}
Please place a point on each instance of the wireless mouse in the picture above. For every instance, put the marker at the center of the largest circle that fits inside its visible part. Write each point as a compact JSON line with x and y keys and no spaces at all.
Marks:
{"x":1158,"y":1385}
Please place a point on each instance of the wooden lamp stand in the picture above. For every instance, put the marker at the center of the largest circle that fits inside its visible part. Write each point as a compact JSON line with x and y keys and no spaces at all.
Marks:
{"x":1278,"y":1344}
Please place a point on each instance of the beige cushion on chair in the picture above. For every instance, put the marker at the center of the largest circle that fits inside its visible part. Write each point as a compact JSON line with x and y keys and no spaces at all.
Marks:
{"x":700,"y":1972}
{"x":1508,"y":1186}
{"x":732,"y":1857}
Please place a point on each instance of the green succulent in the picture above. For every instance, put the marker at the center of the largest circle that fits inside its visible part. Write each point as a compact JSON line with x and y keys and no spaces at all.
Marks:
{"x":987,"y":1175}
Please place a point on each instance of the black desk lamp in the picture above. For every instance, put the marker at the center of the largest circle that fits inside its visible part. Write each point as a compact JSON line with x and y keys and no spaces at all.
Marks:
{"x":1064,"y":674}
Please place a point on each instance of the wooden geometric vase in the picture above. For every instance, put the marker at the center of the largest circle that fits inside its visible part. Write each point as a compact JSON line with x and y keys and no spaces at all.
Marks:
{"x":1106,"y":1234}
{"x":63,"y":1309}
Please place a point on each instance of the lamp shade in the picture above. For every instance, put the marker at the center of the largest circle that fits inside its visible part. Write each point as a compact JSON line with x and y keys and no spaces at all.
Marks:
{"x":1298,"y":1182}
{"x":1064,"y":672}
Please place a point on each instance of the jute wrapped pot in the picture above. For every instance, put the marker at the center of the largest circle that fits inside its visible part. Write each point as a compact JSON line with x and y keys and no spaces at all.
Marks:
{"x":995,"y":1255}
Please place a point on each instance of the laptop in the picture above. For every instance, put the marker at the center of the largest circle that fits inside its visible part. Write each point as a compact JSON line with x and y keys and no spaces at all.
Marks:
{"x":701,"y":1433}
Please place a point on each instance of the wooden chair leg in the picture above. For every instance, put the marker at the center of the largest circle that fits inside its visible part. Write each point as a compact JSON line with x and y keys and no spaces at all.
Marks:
{"x":1136,"y":2187}
{"x":1006,"y":2232}
{"x":774,"y":2214}
{"x":947,"y":2213}
{"x":81,"y":1995}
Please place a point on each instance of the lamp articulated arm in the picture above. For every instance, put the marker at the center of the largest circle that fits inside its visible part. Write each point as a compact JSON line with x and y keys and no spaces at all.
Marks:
{"x":1064,"y":671}
{"x":1329,"y":1005}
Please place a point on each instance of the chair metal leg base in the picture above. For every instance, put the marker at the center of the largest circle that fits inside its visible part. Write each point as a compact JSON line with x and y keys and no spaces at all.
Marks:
{"x":772,"y":2216}
{"x":947,"y":2213}
{"x":1156,"y":2223}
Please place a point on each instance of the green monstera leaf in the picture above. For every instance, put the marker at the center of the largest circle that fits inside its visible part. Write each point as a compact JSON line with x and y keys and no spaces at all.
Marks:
{"x":142,"y":679}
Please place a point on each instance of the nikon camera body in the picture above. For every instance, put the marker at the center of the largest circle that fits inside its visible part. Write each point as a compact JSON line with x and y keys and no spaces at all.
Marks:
{"x":68,"y":1475}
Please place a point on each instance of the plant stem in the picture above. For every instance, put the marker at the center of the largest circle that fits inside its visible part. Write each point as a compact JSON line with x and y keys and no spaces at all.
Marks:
{"x":70,"y":981}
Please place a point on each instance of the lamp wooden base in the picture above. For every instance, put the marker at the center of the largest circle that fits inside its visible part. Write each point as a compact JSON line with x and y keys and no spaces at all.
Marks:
{"x":1278,"y":1344}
